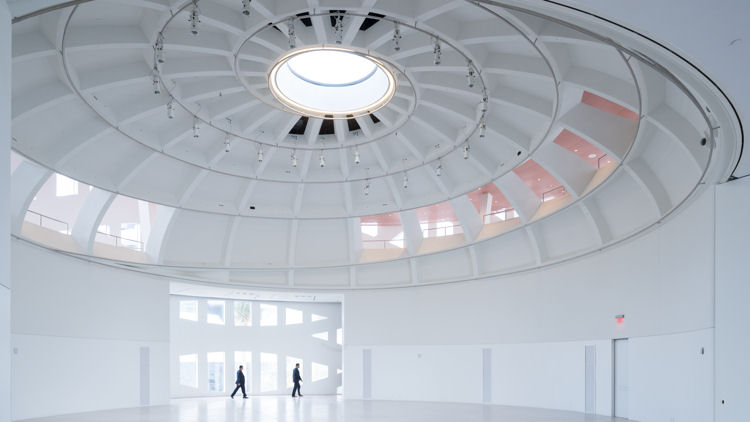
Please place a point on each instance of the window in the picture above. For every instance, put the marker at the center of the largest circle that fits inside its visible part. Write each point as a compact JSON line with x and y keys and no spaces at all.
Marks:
{"x":269,"y":315}
{"x":269,"y":372}
{"x":321,"y":336}
{"x":316,"y":317}
{"x":189,"y":310}
{"x":319,"y":371}
{"x":293,"y":316}
{"x":339,"y":336}
{"x":243,"y":313}
{"x":65,"y":186}
{"x":216,"y":372}
{"x":246,"y":360}
{"x":189,"y":370}
{"x":290,"y":363}
{"x":215,"y":314}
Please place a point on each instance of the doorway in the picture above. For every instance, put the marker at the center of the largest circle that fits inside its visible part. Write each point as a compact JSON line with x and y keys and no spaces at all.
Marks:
{"x":620,"y":379}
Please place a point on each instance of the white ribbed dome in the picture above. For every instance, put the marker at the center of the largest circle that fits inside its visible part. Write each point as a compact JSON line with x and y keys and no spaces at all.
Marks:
{"x":511,"y":140}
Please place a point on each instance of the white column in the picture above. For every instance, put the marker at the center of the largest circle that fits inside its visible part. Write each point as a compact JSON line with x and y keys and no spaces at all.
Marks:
{"x":5,"y":55}
{"x":732,"y":337}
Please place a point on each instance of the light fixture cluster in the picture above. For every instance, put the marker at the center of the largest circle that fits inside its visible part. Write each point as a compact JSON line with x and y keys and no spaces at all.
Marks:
{"x":194,"y":20}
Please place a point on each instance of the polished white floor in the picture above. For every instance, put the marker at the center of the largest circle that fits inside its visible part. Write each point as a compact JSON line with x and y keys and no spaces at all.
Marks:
{"x":323,"y":408}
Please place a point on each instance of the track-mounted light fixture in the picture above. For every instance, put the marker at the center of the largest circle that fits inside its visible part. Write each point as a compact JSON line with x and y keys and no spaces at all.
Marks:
{"x":356,"y":156}
{"x":436,"y":51}
{"x":260,"y":155}
{"x":322,"y":160}
{"x":170,"y":109}
{"x":155,"y":80}
{"x":246,"y":7}
{"x":290,"y":33}
{"x":471,"y":76}
{"x":194,"y":19}
{"x":482,"y":127}
{"x":466,"y":152}
{"x":294,"y":159}
{"x":439,"y":170}
{"x":227,"y":142}
{"x":396,"y":41}
{"x":338,"y":29}
{"x":367,"y":188}
{"x":406,"y":181}
{"x":196,"y":128}
{"x":159,"y":48}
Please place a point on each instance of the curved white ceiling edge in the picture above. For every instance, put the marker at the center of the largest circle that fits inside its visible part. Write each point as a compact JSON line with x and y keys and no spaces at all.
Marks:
{"x":474,"y":262}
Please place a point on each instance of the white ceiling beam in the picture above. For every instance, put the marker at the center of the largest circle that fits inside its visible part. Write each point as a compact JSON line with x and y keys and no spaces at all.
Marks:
{"x":412,"y":231}
{"x":572,"y":171}
{"x":25,"y":182}
{"x":468,"y":217}
{"x":229,"y":240}
{"x":611,"y":133}
{"x":596,"y":221}
{"x":651,"y":185}
{"x":521,"y":198}
{"x":681,"y":132}
{"x":534,"y":244}
{"x":89,"y":217}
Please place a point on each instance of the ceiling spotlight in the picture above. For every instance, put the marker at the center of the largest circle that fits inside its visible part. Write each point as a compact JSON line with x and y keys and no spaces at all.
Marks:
{"x":155,"y":80}
{"x":485,"y":101}
{"x":439,"y":170}
{"x":246,"y":7}
{"x":227,"y":142}
{"x":159,"y":48}
{"x":196,"y":128}
{"x":170,"y":109}
{"x":294,"y":159}
{"x":466,"y":152}
{"x":194,"y":19}
{"x":290,"y":33}
{"x":436,"y":53}
{"x":406,"y":181}
{"x":396,"y":37}
{"x":471,"y":75}
{"x":338,"y":29}
{"x":322,"y":160}
{"x":356,"y":156}
{"x":260,"y":155}
{"x":482,"y":127}
{"x":367,"y":188}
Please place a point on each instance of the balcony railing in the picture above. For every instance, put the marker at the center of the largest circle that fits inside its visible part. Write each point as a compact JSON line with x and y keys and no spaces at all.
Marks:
{"x":114,"y":240}
{"x":47,"y":222}
{"x":382,"y":244}
{"x":504,"y":214}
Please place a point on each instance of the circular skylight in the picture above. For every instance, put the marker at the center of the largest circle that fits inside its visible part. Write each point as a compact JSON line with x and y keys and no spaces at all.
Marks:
{"x":331,"y":82}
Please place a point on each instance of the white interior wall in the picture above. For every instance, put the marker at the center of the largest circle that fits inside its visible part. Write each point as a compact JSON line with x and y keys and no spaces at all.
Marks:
{"x":198,"y":337}
{"x":537,"y":325}
{"x":732,"y":299}
{"x":77,"y":333}
{"x":5,"y":68}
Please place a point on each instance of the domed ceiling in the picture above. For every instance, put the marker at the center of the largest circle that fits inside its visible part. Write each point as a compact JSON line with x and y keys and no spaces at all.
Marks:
{"x":371,"y":143}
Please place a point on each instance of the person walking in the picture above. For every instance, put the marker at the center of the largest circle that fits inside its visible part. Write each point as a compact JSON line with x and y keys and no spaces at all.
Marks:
{"x":240,"y":382}
{"x":297,"y":379}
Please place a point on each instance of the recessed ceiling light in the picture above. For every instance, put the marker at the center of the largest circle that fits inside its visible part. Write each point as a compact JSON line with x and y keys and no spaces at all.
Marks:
{"x":592,"y":155}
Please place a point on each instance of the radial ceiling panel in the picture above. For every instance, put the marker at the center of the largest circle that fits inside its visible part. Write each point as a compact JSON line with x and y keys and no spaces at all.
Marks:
{"x":487,"y":100}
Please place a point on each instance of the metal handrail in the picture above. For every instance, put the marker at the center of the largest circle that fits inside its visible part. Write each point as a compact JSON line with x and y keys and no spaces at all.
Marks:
{"x":599,"y":161}
{"x":119,"y":239}
{"x":553,"y":190}
{"x":505,"y":211}
{"x":42,"y":217}
{"x":457,"y":229}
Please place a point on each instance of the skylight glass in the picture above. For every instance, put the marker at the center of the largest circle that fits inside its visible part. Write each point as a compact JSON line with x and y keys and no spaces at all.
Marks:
{"x":331,"y":82}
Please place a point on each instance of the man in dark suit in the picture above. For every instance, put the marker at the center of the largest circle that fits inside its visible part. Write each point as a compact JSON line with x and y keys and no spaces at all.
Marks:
{"x":296,"y":378}
{"x":240,"y":382}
